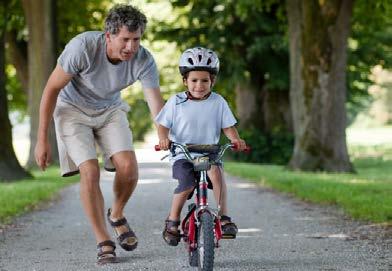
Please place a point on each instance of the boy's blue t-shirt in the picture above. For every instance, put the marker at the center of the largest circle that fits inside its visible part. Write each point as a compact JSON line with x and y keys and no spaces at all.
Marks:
{"x":195,"y":122}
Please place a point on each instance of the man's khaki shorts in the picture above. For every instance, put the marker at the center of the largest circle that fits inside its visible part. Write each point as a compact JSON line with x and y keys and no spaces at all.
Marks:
{"x":79,"y":131}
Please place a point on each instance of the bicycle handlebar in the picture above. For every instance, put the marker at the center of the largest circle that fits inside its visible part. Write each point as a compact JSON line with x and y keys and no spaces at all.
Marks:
{"x":187,"y":149}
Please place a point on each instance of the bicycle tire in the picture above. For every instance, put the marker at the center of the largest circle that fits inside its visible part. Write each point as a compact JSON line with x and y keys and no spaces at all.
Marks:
{"x":206,"y":242}
{"x":193,"y":258}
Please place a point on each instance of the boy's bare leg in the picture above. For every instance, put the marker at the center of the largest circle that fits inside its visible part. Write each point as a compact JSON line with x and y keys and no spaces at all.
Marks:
{"x":219,"y":187}
{"x":92,"y":199}
{"x":178,"y":203}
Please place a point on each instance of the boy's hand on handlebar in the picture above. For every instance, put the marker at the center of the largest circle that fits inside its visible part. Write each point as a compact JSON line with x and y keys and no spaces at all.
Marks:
{"x":239,"y":144}
{"x":164,"y":144}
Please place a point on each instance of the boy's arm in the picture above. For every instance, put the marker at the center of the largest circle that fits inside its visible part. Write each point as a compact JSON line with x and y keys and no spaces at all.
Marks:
{"x":232,"y":134}
{"x":163,"y":135}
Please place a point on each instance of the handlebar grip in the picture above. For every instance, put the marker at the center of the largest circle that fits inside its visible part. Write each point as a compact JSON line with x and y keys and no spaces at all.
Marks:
{"x":247,"y":148}
{"x":157,"y":148}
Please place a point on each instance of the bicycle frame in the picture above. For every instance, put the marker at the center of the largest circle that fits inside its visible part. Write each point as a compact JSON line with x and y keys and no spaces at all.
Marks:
{"x":192,"y":217}
{"x":192,"y":223}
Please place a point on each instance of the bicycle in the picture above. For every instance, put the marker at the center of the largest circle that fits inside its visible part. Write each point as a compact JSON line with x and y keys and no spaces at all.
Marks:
{"x":201,"y":228}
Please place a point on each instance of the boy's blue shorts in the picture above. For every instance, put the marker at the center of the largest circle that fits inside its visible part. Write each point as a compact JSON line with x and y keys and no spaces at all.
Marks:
{"x":186,"y":176}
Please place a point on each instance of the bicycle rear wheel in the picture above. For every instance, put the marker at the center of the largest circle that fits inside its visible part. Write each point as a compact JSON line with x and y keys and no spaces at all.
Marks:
{"x":205,"y":242}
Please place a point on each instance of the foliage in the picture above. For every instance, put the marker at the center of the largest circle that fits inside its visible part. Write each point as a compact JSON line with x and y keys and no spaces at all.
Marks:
{"x":71,"y":20}
{"x":17,"y":97}
{"x":19,"y":197}
{"x":139,"y":116}
{"x":365,"y":195}
{"x":76,"y":16}
{"x":250,"y":37}
{"x":275,"y":148}
{"x":247,"y":35}
{"x":369,"y":45}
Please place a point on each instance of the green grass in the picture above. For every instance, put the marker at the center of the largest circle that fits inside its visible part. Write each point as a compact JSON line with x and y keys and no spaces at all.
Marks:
{"x":21,"y":196}
{"x":366,"y":195}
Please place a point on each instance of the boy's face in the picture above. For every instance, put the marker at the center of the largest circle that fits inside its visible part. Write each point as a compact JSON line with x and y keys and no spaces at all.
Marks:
{"x":198,"y":83}
{"x":124,"y":45}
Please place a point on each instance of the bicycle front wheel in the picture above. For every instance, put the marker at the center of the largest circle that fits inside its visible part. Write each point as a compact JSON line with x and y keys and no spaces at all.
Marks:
{"x":205,"y":242}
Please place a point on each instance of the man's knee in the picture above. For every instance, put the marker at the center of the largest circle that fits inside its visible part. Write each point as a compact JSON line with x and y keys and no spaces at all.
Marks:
{"x":89,"y":173}
{"x":127,"y":170}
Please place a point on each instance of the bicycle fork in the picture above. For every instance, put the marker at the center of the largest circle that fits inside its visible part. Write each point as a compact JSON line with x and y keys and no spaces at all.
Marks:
{"x":202,"y":206}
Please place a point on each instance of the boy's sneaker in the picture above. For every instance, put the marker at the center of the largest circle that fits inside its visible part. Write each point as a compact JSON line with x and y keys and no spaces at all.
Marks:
{"x":229,"y":228}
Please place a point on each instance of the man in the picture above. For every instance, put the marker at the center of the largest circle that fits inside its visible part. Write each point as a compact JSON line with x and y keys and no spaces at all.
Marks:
{"x":83,"y":95}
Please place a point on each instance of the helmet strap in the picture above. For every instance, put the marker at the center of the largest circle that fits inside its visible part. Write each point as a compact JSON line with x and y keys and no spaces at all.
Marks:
{"x":190,"y":97}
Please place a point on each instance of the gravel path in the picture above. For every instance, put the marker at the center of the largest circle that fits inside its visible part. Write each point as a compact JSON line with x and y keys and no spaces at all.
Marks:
{"x":276,"y":233}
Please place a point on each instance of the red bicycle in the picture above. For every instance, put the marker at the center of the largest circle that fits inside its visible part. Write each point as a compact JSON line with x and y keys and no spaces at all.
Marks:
{"x":201,"y":228}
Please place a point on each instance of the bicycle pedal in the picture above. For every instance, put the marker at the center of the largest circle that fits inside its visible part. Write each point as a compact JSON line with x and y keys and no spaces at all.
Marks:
{"x":228,"y":236}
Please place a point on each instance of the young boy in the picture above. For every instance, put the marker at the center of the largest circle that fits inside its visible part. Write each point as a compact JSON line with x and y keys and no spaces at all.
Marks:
{"x":196,"y":116}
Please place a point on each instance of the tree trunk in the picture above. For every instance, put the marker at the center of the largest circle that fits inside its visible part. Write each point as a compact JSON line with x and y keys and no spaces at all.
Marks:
{"x":41,"y":61}
{"x":265,"y":110}
{"x":245,"y":104}
{"x":18,"y":55}
{"x":318,"y":32}
{"x":10,"y":168}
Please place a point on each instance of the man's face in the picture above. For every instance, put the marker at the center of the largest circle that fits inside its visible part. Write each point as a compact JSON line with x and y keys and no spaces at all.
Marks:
{"x":122,"y":46}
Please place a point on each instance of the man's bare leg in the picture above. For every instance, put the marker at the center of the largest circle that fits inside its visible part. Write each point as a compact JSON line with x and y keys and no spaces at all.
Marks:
{"x":124,"y":184}
{"x":92,"y":198}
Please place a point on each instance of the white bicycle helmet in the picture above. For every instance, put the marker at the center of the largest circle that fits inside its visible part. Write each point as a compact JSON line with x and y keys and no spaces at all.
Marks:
{"x":199,"y":59}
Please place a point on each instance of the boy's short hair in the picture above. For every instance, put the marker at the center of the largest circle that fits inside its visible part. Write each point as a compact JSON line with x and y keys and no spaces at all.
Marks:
{"x":125,"y":15}
{"x":185,"y":75}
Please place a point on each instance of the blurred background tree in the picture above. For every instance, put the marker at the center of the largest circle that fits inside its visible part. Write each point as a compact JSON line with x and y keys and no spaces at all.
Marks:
{"x":10,"y":168}
{"x":251,"y":38}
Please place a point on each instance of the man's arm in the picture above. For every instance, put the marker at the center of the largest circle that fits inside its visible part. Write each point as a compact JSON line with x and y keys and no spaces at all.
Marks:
{"x":154,"y":100}
{"x":57,"y":80}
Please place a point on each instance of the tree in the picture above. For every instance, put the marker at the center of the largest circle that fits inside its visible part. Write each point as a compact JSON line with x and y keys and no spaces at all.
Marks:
{"x":250,"y":42}
{"x":41,"y":61}
{"x":10,"y":168}
{"x":318,"y":32}
{"x":249,"y":37}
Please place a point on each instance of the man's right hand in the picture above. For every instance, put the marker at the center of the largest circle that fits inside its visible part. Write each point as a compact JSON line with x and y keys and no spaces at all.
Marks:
{"x":42,"y":154}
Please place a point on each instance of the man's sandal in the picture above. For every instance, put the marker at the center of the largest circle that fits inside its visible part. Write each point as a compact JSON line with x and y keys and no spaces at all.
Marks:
{"x":170,"y":233}
{"x":106,"y":256}
{"x":127,"y":240}
{"x":229,"y":229}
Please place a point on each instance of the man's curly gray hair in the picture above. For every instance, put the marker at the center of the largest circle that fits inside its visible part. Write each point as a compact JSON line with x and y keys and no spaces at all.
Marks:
{"x":125,"y":15}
